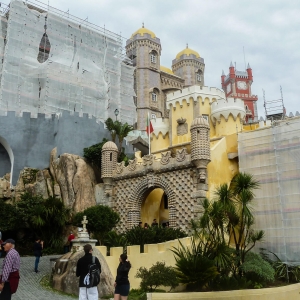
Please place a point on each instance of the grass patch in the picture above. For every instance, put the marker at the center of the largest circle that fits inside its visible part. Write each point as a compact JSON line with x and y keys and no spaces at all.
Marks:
{"x":46,"y":284}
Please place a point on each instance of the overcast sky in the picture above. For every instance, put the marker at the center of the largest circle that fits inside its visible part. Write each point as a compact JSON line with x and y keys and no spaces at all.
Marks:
{"x":269,"y":31}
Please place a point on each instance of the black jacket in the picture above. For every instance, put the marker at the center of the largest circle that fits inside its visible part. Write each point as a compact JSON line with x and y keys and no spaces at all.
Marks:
{"x":122,"y":273}
{"x":83,"y":267}
{"x":37,"y":249}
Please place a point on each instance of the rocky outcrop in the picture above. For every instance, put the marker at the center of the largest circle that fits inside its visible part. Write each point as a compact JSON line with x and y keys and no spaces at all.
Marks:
{"x":76,"y":180}
{"x":64,"y":274}
{"x":69,"y":178}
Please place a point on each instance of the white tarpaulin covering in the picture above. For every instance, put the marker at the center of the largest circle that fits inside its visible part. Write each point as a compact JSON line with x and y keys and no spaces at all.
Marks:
{"x":272,"y":155}
{"x":53,"y":61}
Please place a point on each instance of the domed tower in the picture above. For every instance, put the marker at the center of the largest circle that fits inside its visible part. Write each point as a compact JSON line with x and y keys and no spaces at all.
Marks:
{"x":189,"y":66}
{"x":144,"y":49}
{"x":200,"y":142}
{"x":109,"y":161}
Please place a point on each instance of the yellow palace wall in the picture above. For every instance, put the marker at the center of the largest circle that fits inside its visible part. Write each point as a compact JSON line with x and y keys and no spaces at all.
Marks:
{"x":152,"y":254}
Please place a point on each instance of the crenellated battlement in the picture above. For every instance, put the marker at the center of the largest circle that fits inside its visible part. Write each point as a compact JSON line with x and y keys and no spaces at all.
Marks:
{"x":53,"y":116}
{"x":195,"y":92}
{"x":152,"y":254}
{"x":160,"y":125}
{"x":151,"y":163}
{"x":231,"y":106}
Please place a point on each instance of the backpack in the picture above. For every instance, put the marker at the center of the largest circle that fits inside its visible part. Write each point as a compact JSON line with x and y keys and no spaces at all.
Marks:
{"x":92,"y":278}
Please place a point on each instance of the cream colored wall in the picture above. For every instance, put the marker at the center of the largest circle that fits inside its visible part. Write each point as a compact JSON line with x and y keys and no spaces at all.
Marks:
{"x":185,"y":111}
{"x":228,"y":127}
{"x":159,"y":143}
{"x":290,"y":292}
{"x":151,"y":206}
{"x":221,"y":170}
{"x":153,"y":253}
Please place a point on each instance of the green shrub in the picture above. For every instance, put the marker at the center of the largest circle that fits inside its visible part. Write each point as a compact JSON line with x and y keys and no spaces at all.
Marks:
{"x":101,"y":220}
{"x":93,"y":153}
{"x":158,"y":275}
{"x":256,"y":269}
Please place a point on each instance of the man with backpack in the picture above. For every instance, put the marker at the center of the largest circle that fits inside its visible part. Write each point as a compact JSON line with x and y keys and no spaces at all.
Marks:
{"x":88,"y":270}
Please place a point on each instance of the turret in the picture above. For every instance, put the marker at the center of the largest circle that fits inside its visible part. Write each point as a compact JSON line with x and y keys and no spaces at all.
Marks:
{"x":249,"y":72}
{"x":231,"y":71}
{"x":200,"y":142}
{"x":109,"y":161}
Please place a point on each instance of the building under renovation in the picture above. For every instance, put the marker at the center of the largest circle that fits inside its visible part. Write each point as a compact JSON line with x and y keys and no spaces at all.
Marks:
{"x":61,"y":77}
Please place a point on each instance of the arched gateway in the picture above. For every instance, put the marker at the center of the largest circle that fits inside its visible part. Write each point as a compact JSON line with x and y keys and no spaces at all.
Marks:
{"x":183,"y":178}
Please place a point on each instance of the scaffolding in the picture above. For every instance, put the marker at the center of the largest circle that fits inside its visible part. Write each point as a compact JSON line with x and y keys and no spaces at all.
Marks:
{"x":274,"y":109}
{"x":272,"y":155}
{"x":53,"y":61}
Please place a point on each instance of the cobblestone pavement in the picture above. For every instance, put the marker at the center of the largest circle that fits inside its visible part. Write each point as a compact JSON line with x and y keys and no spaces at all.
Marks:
{"x":29,"y":286}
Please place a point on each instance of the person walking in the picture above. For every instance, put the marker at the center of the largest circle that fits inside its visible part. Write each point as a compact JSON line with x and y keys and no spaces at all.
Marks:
{"x":9,"y":279}
{"x":122,"y":285}
{"x":82,"y":270}
{"x":37,"y":251}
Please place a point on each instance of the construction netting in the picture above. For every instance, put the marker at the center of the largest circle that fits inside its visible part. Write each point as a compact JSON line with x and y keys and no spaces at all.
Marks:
{"x":272,"y":155}
{"x":52,"y":61}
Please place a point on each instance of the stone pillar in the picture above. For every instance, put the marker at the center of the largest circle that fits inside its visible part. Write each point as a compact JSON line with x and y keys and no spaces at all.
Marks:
{"x":200,"y":156}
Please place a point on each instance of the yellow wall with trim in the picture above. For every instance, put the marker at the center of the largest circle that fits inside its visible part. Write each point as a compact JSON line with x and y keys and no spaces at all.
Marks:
{"x":152,"y":254}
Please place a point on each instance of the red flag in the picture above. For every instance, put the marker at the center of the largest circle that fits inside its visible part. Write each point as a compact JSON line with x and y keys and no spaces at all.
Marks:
{"x":149,"y":127}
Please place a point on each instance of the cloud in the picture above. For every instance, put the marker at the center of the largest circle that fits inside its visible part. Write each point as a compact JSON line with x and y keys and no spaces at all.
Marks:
{"x":268,"y":30}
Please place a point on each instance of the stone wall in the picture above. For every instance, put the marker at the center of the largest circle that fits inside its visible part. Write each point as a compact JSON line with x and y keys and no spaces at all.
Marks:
{"x":31,"y":138}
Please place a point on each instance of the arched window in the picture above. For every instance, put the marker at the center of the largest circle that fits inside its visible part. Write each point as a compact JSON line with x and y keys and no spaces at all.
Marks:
{"x":154,"y":95}
{"x":199,"y":76}
{"x":110,"y":156}
{"x":153,"y":57}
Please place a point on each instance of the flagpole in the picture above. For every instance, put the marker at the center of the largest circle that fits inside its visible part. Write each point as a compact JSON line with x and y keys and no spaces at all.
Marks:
{"x":149,"y":133}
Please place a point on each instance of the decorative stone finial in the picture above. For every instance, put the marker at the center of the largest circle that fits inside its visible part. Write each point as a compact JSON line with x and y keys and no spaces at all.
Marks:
{"x":84,"y":222}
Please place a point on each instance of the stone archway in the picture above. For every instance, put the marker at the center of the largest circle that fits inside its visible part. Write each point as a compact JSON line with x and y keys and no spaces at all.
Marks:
{"x":10,"y":154}
{"x":137,"y":196}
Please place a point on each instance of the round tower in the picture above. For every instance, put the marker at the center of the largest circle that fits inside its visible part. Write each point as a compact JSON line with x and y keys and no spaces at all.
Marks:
{"x":227,"y":115}
{"x":200,"y":142}
{"x":189,"y":66}
{"x":109,"y":161}
{"x":144,"y":48}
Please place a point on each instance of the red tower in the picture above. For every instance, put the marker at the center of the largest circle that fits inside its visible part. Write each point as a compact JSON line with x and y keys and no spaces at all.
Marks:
{"x":237,"y":84}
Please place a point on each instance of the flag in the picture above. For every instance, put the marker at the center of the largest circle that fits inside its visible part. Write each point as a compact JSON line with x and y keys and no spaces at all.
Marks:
{"x":149,"y":127}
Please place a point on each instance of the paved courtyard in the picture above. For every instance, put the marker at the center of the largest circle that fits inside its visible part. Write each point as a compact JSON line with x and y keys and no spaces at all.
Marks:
{"x":29,"y":287}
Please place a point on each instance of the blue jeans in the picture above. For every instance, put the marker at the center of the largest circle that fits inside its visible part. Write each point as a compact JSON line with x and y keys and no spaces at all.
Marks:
{"x":36,"y":264}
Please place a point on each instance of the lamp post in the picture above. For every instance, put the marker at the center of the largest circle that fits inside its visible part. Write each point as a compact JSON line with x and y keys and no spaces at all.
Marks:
{"x":116,"y":113}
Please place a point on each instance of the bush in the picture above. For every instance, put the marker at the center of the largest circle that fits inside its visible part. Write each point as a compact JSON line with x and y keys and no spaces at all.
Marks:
{"x":101,"y":219}
{"x":93,"y":153}
{"x":256,"y":269}
{"x":158,"y":275}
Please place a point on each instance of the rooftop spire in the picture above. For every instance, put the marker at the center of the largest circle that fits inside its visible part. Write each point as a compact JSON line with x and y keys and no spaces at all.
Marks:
{"x":143,"y":24}
{"x":223,"y":74}
{"x":231,"y":65}
{"x":248,"y":67}
{"x":187,"y":45}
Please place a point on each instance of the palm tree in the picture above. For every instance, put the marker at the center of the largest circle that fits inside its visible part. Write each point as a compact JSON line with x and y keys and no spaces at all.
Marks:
{"x":118,"y":129}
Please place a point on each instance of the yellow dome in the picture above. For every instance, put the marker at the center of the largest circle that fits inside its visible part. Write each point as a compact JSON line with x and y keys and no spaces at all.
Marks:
{"x":142,"y":31}
{"x":166,"y":70}
{"x":187,"y":51}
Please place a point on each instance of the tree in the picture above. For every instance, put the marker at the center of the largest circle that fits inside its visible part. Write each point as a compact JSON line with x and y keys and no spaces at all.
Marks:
{"x":93,"y":153}
{"x":9,"y":220}
{"x":118,"y":129}
{"x":101,"y":219}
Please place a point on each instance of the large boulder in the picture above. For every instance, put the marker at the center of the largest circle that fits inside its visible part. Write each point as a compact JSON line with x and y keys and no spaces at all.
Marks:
{"x":64,"y":274}
{"x":76,"y":180}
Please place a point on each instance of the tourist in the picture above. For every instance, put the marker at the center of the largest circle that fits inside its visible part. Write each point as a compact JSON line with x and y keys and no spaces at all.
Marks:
{"x":146,"y":226}
{"x":122,"y":285}
{"x":37,"y":251}
{"x":154,"y":223}
{"x":10,"y":270}
{"x":82,"y":270}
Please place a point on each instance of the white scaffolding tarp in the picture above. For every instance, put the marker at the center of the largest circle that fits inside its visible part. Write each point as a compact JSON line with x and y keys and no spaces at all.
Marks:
{"x":272,"y":155}
{"x":52,"y":61}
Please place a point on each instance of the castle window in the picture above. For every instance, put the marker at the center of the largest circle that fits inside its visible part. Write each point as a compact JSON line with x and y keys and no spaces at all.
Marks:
{"x":154,"y":97}
{"x":199,"y":76}
{"x":110,"y":156}
{"x":153,"y":57}
{"x":153,"y":116}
